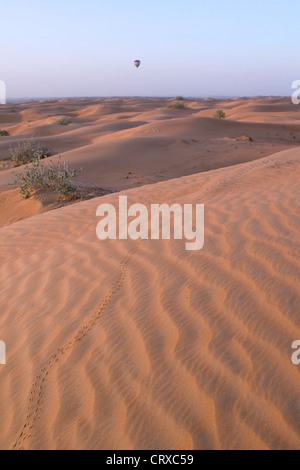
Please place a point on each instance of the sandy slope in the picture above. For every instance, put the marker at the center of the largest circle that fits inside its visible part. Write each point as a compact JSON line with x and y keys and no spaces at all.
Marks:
{"x":143,"y":345}
{"x":14,"y":207}
{"x":125,"y":143}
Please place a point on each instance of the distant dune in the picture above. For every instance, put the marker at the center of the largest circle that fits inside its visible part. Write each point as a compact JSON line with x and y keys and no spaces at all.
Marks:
{"x":143,"y":345}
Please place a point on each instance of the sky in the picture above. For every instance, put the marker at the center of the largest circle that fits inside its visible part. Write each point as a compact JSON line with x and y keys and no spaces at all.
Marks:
{"x":192,"y":48}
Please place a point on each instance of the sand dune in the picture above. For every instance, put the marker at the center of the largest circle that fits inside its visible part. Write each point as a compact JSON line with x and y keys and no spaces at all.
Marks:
{"x":143,"y":345}
{"x":152,"y":143}
{"x":14,"y":208}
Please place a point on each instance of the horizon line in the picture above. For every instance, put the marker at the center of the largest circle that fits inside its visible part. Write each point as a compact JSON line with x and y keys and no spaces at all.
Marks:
{"x":220,"y":97}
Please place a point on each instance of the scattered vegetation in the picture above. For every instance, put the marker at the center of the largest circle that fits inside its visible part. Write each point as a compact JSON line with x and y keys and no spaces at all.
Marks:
{"x":176,"y":105}
{"x":4,"y":133}
{"x":28,"y":151}
{"x":219,"y":114}
{"x":54,"y":177}
{"x":64,"y":121}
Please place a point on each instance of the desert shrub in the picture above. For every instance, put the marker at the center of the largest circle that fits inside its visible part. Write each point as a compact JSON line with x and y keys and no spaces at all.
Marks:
{"x":219,"y":114}
{"x":176,"y":105}
{"x":54,"y":177}
{"x":179,"y":98}
{"x":60,"y":179}
{"x":4,"y":133}
{"x":27,"y":151}
{"x":64,"y":121}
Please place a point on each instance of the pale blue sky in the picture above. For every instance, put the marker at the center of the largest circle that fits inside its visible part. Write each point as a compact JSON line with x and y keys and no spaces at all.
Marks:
{"x":191,"y":48}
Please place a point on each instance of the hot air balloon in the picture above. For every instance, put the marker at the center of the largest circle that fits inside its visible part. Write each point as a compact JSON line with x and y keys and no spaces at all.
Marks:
{"x":137,"y":63}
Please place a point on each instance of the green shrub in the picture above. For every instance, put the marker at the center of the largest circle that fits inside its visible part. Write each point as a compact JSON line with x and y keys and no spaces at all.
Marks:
{"x":176,"y":105}
{"x":4,"y":133}
{"x":27,"y":151}
{"x":179,"y":98}
{"x":54,"y":177}
{"x":219,"y":114}
{"x":64,"y":121}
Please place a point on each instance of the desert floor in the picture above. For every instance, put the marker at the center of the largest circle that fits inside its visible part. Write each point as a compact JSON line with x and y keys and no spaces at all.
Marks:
{"x":144,"y":345}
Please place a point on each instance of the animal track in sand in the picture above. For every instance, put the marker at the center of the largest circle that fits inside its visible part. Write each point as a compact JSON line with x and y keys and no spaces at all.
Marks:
{"x":37,"y":388}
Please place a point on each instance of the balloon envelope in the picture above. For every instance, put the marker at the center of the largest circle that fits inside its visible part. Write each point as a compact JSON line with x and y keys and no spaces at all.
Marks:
{"x":137,"y":63}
